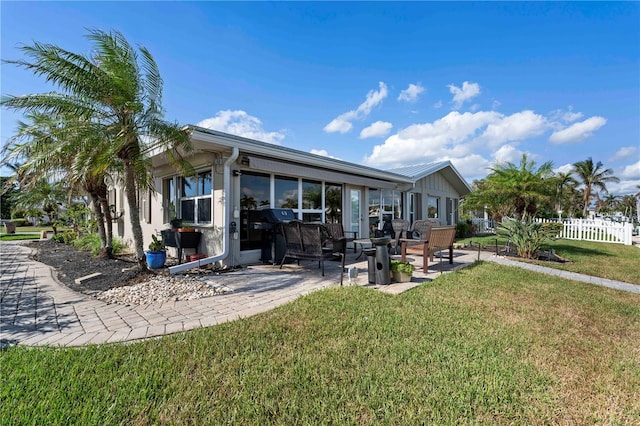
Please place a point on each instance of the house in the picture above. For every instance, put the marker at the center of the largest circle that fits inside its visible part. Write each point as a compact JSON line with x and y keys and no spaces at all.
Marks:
{"x":236,"y":177}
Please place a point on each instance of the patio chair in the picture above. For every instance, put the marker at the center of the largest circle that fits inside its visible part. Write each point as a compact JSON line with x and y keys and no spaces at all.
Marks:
{"x":337,"y":232}
{"x":400,"y":228}
{"x":306,"y":241}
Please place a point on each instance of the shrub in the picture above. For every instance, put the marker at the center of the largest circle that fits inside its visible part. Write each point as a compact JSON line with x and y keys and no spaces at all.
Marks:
{"x":527,"y":235}
{"x":91,"y":243}
{"x":399,"y":266}
{"x":66,"y":237}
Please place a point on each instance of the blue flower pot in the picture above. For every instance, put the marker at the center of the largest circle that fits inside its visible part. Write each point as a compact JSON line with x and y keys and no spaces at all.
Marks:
{"x":156,"y":259}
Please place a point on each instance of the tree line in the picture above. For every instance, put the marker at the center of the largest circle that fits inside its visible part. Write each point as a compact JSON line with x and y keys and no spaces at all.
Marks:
{"x":516,"y":190}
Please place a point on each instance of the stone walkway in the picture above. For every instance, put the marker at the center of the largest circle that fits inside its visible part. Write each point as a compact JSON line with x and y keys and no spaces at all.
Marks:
{"x":36,"y":310}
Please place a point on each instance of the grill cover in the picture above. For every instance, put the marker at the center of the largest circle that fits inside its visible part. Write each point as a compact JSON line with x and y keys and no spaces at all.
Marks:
{"x":277,"y":215}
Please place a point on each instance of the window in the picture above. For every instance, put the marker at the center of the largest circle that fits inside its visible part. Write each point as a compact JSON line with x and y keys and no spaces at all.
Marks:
{"x":311,"y":201}
{"x":333,"y":203}
{"x":432,"y":207}
{"x":169,"y":197}
{"x":195,"y":198}
{"x":286,"y":193}
{"x":384,"y":205}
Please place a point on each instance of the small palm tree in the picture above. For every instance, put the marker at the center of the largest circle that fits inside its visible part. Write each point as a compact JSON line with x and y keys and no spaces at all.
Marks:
{"x":592,"y":176}
{"x":119,"y":89}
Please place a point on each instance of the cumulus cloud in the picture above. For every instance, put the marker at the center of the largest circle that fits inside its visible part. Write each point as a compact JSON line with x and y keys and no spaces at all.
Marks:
{"x":241,"y":124}
{"x":462,"y":94}
{"x":577,"y":131}
{"x":564,"y":169}
{"x":632,"y":171}
{"x":410,"y":94}
{"x":507,"y":154}
{"x":377,"y":129}
{"x":431,"y":140}
{"x":518,"y":126}
{"x":342,"y":123}
{"x":624,"y":153}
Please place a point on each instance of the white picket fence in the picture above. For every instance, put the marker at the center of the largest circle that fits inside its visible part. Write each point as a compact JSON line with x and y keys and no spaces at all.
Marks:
{"x":596,"y":230}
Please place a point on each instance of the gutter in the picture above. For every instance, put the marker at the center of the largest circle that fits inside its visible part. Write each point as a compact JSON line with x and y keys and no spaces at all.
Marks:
{"x":225,"y":251}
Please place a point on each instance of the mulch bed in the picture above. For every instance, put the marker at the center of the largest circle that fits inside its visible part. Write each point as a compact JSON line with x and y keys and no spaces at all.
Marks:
{"x":71,"y":263}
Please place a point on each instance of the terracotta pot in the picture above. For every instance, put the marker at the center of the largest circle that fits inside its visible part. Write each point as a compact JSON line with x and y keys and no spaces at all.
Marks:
{"x":186,"y":229}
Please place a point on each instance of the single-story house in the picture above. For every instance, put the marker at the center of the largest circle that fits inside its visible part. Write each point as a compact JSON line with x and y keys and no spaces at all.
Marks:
{"x":237,"y":177}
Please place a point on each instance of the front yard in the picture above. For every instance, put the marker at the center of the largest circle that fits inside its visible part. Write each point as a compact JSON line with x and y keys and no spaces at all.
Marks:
{"x":486,"y":345}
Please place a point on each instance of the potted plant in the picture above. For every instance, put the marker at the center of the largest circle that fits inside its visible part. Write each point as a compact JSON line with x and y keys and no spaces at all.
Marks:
{"x":157,"y":255}
{"x":401,"y":271}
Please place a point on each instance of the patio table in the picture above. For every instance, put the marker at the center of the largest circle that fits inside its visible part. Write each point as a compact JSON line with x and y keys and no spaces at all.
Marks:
{"x":362,"y":242}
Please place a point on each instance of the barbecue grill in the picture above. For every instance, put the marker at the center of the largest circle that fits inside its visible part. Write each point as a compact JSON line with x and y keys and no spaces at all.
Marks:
{"x":273,"y":244}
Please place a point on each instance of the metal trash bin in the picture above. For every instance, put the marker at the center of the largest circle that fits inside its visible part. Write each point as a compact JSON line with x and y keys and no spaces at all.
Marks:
{"x":383,"y":275}
{"x":371,"y":261}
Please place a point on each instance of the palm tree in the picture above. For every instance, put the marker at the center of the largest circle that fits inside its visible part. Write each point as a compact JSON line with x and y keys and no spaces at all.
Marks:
{"x":592,"y":177}
{"x":610,"y":203}
{"x":66,"y":149}
{"x":44,"y":195}
{"x":564,"y":183}
{"x":118,"y":88}
{"x":515,"y":189}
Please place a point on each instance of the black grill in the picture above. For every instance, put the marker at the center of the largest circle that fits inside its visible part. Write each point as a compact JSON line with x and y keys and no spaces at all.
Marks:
{"x":273,"y":244}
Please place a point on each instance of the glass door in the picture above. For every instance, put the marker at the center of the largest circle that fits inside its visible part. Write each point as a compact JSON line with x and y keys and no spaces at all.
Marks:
{"x":354,"y":221}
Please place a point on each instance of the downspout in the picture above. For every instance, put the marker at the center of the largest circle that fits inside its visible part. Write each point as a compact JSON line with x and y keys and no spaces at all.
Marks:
{"x":225,"y":226}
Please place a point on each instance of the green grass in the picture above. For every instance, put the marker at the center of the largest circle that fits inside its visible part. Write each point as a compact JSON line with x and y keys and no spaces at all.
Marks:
{"x":485,"y":345}
{"x":37,"y":229}
{"x":605,"y":260}
{"x":17,"y":236}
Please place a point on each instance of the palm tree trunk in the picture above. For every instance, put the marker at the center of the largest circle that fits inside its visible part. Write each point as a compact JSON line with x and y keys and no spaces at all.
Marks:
{"x":98,"y":212}
{"x":134,"y":215}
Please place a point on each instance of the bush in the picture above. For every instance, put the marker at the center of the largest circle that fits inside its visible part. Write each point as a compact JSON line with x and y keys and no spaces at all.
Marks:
{"x":463,"y":230}
{"x":66,"y":237}
{"x":91,"y":243}
{"x":527,"y":235}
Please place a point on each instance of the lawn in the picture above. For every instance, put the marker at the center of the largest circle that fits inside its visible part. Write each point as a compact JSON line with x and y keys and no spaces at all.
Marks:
{"x":605,"y":260}
{"x":486,"y":345}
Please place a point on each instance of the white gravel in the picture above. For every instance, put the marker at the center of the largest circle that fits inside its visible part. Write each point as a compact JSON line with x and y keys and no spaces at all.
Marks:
{"x":164,"y":289}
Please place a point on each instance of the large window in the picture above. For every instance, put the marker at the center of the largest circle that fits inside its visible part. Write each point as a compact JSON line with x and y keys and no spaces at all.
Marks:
{"x":432,"y":207}
{"x":195,"y":198}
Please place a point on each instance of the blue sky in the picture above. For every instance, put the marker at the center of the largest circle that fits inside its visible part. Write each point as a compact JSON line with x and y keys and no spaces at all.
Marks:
{"x":381,"y":84}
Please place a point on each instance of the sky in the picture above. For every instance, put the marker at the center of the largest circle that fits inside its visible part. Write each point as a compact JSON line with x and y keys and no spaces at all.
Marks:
{"x":383,"y":84}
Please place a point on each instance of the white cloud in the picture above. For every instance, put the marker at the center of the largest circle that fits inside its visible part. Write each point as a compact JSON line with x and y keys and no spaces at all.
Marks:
{"x":437,"y":105}
{"x":461,"y":95}
{"x":410,"y":94}
{"x":632,"y":171}
{"x":518,"y":126}
{"x":241,"y":124}
{"x":377,"y":129}
{"x":564,"y":169}
{"x":578,"y":131}
{"x":471,"y":167}
{"x":495,"y":104}
{"x":567,"y":116}
{"x":624,"y":153}
{"x":507,"y":154}
{"x":428,"y":141}
{"x":322,"y":152}
{"x":342,"y":123}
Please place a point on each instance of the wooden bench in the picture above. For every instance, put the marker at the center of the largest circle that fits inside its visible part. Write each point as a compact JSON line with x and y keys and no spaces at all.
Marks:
{"x":435,"y":239}
{"x":307,"y":241}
